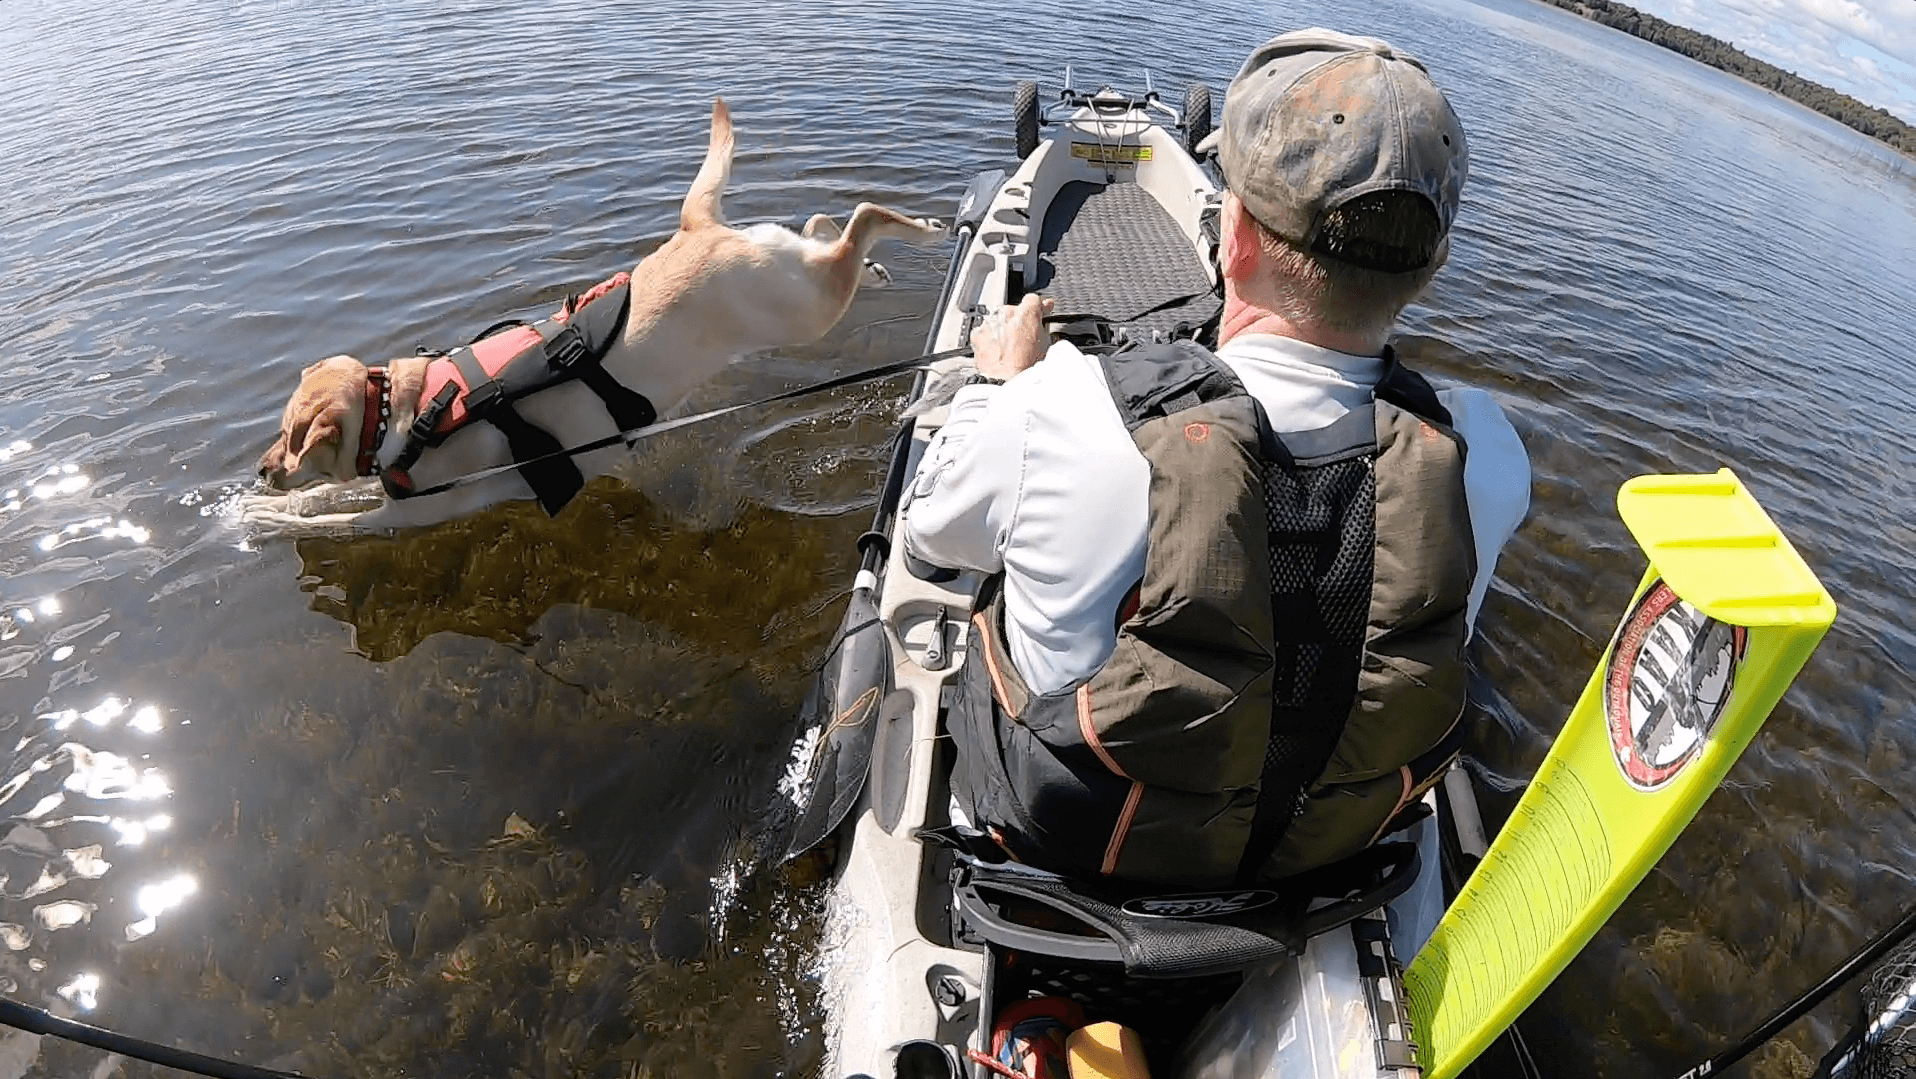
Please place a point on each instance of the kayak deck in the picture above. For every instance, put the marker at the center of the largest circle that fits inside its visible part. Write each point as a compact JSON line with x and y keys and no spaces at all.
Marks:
{"x":1113,"y":250}
{"x":1111,"y":217}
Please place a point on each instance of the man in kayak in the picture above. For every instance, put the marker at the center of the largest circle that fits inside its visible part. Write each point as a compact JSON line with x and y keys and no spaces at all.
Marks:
{"x":1222,"y":633}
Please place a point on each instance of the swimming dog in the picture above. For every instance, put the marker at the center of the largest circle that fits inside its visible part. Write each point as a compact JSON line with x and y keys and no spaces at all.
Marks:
{"x":709,"y":295}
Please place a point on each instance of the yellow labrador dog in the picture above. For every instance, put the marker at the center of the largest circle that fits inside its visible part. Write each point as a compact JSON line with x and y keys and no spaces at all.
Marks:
{"x":708,"y":296}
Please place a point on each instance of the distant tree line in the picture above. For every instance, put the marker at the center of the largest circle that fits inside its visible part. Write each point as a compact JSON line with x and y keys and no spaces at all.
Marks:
{"x":1871,"y":121}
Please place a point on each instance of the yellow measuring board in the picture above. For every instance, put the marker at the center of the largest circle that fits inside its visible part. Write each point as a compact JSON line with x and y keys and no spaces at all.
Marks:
{"x":1725,"y":616}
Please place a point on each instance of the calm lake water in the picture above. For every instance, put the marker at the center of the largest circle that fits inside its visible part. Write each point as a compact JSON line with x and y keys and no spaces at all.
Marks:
{"x":489,"y":798}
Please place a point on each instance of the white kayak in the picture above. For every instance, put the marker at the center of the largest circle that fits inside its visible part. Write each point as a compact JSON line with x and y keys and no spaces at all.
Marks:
{"x":1112,"y":216}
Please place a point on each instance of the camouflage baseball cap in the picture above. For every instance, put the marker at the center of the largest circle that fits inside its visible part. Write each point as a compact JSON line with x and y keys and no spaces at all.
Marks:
{"x":1316,"y":118}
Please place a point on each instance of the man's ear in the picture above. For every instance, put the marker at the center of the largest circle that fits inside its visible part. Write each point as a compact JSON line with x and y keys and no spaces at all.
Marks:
{"x":1240,"y":246}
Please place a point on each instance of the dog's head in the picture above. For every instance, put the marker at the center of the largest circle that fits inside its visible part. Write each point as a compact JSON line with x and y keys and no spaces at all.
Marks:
{"x":319,"y":431}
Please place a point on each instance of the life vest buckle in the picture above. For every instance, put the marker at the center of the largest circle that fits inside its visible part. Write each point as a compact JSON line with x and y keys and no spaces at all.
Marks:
{"x":425,"y":425}
{"x":566,"y":349}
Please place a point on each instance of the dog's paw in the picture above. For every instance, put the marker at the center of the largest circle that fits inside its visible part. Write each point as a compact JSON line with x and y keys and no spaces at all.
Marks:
{"x":266,"y":516}
{"x":876,"y":276}
{"x":329,"y":509}
{"x":932,"y":226}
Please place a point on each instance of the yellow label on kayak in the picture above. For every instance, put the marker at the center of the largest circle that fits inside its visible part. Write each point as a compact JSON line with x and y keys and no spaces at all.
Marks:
{"x":1723,"y":619}
{"x":1110,"y":155}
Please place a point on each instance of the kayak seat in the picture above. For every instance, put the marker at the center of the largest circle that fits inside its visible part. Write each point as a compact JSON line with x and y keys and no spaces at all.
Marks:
{"x":1111,"y":250}
{"x":1149,"y":934}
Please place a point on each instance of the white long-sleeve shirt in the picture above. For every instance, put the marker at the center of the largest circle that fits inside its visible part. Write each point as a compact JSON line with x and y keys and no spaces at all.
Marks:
{"x":1040,"y":479}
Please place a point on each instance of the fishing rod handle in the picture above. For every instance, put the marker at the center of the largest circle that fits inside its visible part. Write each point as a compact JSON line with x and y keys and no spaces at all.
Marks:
{"x":36,"y":1021}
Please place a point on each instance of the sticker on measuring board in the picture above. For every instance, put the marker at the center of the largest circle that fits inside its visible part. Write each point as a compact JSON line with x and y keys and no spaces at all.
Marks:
{"x":1670,"y":676}
{"x":1110,"y":155}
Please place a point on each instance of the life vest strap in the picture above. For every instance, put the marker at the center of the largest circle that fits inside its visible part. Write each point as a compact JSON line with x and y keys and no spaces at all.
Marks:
{"x":554,"y":479}
{"x":629,"y":409}
{"x":569,"y":355}
{"x":419,"y":436}
{"x":482,"y":389}
{"x":570,"y":346}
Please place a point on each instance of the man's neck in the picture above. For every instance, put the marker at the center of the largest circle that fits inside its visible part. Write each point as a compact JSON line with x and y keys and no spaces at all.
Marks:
{"x":1242,"y":318}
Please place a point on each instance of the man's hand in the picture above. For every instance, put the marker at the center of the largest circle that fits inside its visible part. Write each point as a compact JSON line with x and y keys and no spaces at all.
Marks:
{"x":1012,"y":338}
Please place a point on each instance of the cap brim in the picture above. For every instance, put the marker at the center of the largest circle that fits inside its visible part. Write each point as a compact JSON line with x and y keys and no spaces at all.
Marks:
{"x":1209,"y":142}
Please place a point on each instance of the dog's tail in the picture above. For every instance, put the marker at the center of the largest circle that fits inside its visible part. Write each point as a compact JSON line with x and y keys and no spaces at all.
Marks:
{"x":701,"y":208}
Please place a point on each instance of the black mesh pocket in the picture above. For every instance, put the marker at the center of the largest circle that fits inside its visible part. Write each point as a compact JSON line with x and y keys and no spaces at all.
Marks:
{"x":1322,"y":521}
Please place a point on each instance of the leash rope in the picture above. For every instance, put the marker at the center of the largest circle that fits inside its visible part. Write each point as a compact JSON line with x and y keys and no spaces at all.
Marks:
{"x":630,"y":436}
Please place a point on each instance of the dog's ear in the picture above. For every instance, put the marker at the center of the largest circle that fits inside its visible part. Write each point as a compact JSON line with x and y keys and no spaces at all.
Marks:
{"x":323,"y":428}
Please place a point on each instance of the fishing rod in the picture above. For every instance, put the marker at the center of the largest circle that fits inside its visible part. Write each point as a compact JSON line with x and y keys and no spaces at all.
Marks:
{"x":36,"y":1021}
{"x":1869,"y":953}
{"x":631,"y":435}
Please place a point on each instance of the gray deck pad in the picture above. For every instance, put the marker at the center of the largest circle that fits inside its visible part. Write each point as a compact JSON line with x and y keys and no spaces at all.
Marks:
{"x":1112,"y":250}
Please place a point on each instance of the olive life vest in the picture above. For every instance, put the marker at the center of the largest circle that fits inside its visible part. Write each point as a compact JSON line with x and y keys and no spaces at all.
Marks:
{"x":480,"y":382}
{"x":1293,"y":673}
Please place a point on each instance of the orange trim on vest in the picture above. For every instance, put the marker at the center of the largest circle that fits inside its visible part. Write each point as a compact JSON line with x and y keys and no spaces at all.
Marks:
{"x":1411,"y":793}
{"x":991,"y":664}
{"x":593,"y":293}
{"x":1090,"y":732}
{"x":495,"y":352}
{"x":1122,"y":829}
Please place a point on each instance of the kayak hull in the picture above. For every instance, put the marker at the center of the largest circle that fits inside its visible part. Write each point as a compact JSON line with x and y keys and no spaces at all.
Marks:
{"x":1111,"y":198}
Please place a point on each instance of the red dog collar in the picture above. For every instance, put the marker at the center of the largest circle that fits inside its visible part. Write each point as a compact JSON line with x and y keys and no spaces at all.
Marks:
{"x":379,"y":404}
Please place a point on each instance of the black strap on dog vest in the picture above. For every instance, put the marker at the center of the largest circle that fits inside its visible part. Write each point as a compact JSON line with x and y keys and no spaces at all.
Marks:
{"x":482,"y":390}
{"x":553,"y":479}
{"x":572,"y":349}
